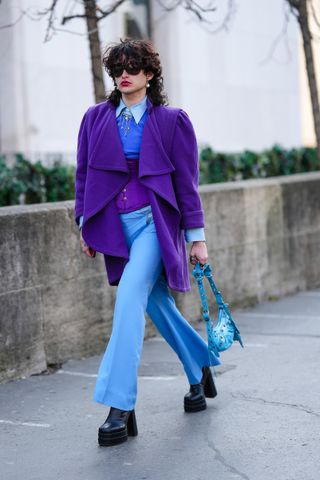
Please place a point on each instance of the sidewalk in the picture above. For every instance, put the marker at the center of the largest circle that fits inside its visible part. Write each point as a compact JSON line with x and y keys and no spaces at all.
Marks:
{"x":263,"y":424}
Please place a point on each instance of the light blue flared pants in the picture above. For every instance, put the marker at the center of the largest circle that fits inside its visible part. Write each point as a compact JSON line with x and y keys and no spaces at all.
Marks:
{"x":143,"y":288}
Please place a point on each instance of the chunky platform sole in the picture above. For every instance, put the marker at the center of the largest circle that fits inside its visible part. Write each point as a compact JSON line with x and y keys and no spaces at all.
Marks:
{"x":195,"y":406}
{"x":209,"y":389}
{"x":107,"y":439}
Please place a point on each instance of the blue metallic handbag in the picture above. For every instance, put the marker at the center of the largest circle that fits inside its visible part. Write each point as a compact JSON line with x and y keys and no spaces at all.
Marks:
{"x":225,"y":332}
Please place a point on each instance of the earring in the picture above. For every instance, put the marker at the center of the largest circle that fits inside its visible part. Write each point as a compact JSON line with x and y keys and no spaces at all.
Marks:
{"x":148,"y":84}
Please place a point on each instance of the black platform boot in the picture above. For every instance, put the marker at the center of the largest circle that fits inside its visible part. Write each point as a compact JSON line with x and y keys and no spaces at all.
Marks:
{"x":118,"y":425}
{"x":195,"y":399}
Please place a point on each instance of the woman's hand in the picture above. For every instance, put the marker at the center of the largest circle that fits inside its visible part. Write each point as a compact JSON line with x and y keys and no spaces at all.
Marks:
{"x":85,"y":248}
{"x":198,"y":253}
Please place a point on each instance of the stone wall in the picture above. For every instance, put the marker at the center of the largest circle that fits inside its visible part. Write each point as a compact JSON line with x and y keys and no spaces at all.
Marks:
{"x":263,"y":238}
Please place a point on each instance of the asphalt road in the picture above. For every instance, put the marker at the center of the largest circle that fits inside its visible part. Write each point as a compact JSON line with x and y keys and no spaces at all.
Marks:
{"x":264,"y":423}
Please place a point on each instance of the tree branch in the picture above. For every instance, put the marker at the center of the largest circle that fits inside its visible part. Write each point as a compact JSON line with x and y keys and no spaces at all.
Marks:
{"x":280,"y":36}
{"x":199,"y":10}
{"x":102,"y":13}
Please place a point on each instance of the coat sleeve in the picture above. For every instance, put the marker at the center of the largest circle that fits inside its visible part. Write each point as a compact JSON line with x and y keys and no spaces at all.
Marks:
{"x":184,"y":154}
{"x":81,"y":168}
{"x":194,"y":234}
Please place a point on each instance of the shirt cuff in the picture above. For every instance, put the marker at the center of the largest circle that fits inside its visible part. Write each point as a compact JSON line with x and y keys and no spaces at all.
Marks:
{"x":194,"y":234}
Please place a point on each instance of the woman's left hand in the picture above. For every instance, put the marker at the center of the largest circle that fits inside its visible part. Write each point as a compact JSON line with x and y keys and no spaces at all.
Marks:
{"x":198,"y":253}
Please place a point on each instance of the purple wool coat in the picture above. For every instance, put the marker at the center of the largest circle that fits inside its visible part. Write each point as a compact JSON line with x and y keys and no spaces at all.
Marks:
{"x":168,"y":166}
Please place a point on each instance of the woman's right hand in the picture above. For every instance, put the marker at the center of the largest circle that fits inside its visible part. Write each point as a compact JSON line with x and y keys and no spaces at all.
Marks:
{"x":84,"y":246}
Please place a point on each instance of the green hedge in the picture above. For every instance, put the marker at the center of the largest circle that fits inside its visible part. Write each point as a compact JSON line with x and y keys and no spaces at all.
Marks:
{"x":225,"y":167}
{"x":28,"y":182}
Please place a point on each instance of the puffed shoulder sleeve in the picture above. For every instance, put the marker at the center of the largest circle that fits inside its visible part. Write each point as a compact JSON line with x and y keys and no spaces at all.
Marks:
{"x":184,"y":155}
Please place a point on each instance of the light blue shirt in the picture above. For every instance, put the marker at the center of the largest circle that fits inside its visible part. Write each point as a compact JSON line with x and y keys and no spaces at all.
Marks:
{"x":137,"y":110}
{"x":131,"y":130}
{"x":131,"y":141}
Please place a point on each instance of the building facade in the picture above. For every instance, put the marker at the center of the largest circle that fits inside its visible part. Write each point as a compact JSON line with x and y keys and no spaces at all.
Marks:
{"x":240,"y":92}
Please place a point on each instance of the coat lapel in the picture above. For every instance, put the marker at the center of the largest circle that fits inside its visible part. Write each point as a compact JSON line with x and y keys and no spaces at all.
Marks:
{"x":153,"y":157}
{"x":108,"y":165}
{"x":107,"y":153}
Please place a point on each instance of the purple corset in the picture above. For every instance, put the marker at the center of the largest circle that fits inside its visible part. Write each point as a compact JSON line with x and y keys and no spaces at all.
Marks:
{"x":134,"y":195}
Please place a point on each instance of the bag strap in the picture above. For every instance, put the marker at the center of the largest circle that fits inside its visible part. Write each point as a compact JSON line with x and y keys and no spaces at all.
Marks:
{"x":207,"y":272}
{"x":198,"y":274}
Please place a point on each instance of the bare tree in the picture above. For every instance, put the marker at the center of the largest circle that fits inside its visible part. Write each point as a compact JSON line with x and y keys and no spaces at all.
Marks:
{"x":302,"y":9}
{"x":92,"y":13}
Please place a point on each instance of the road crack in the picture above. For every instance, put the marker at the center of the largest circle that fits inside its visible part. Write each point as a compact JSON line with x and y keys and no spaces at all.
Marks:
{"x":220,"y":458}
{"x":297,"y":406}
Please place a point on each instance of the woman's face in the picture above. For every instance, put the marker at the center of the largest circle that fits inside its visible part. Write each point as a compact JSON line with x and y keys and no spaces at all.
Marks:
{"x":128,"y":82}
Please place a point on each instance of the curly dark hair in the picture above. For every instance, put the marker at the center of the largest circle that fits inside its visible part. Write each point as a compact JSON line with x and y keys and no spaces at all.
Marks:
{"x":143,"y":52}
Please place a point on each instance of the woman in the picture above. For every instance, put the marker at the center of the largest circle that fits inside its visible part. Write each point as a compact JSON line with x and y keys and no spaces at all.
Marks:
{"x":137,"y":203}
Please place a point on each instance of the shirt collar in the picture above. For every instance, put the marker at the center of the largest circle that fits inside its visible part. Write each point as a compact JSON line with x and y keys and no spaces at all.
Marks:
{"x":137,"y":109}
